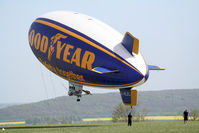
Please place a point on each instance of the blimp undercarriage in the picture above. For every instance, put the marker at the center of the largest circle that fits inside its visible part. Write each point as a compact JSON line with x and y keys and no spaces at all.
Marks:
{"x":77,"y":90}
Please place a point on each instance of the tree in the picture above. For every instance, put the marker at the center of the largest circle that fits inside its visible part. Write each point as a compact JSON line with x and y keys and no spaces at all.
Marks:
{"x":140,"y":116}
{"x":194,"y":114}
{"x":121,"y":112}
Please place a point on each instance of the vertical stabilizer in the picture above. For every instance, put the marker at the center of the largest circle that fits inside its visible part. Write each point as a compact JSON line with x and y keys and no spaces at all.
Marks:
{"x":129,"y":97}
{"x":131,"y":43}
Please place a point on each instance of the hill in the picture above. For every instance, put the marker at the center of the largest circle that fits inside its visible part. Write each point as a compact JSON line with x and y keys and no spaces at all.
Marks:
{"x":165,"y":102}
{"x":3,"y":105}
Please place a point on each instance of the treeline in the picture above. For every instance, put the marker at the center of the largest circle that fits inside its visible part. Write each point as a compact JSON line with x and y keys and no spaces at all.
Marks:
{"x":121,"y":112}
{"x":167,"y":102}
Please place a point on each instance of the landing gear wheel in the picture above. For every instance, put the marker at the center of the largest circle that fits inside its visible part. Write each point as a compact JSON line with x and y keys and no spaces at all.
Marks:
{"x":78,"y":100}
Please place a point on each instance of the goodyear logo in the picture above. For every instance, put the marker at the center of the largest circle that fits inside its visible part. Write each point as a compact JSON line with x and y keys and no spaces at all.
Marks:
{"x":41,"y":43}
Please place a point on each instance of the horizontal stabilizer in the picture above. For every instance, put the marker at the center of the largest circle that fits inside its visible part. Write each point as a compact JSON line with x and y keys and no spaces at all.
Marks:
{"x":103,"y":70}
{"x":131,"y":43}
{"x":152,"y":67}
{"x":129,"y":97}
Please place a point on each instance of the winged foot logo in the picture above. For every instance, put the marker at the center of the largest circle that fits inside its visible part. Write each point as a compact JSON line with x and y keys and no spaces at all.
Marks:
{"x":54,"y":39}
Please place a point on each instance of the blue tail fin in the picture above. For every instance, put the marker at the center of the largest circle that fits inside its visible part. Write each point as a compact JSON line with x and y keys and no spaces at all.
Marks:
{"x":103,"y":70}
{"x":129,"y":97}
{"x":152,"y":67}
{"x":131,"y":43}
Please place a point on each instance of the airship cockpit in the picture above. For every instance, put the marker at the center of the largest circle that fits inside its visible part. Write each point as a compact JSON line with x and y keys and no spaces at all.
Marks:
{"x":77,"y":90}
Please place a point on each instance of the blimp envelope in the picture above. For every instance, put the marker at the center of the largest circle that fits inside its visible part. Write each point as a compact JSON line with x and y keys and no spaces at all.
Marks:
{"x":86,"y":51}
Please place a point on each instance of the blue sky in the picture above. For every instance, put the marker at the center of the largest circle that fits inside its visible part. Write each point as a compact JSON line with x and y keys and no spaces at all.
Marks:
{"x":168,"y":32}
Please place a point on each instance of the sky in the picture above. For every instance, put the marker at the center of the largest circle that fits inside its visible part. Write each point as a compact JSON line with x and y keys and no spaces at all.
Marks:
{"x":168,"y":31}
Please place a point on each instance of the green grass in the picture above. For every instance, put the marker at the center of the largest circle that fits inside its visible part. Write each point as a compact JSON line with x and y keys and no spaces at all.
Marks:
{"x":137,"y":127}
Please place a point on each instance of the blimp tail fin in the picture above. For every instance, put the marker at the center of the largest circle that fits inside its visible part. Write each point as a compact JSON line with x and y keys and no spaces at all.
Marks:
{"x":152,"y":67}
{"x":131,"y":43}
{"x":103,"y":70}
{"x":129,"y":97}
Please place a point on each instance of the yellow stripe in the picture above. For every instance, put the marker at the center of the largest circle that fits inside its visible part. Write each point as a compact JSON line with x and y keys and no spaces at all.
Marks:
{"x":146,"y":118}
{"x":12,"y":123}
{"x":157,"y":69}
{"x":136,"y":46}
{"x":84,"y":40}
{"x":96,"y":71}
{"x":164,"y":118}
{"x":97,"y":119}
{"x":134,"y":97}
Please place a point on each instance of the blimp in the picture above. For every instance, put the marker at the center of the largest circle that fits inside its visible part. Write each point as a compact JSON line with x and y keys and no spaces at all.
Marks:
{"x":87,"y":52}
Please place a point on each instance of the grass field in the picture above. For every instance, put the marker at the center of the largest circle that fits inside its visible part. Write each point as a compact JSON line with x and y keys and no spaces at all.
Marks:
{"x":137,"y":127}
